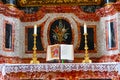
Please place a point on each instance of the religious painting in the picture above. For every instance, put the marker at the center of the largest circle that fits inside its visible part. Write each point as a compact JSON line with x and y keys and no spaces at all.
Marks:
{"x":60,"y":32}
{"x":60,"y":52}
{"x":111,"y":34}
{"x":55,"y":51}
{"x":8,"y":36}
{"x":91,"y":39}
{"x":29,"y":39}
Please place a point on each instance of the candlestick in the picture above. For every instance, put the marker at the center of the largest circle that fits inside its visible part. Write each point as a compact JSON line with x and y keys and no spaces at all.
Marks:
{"x":86,"y":58}
{"x":35,"y":29}
{"x":85,"y":28}
{"x":34,"y":59}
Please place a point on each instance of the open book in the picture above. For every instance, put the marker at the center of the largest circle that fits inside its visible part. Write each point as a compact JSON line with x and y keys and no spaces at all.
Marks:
{"x":60,"y":52}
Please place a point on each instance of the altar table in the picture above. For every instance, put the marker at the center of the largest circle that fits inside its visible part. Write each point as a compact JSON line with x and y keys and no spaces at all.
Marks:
{"x":56,"y":71}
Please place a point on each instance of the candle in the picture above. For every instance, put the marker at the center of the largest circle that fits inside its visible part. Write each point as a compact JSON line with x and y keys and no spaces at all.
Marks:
{"x":35,"y":29}
{"x":85,"y":28}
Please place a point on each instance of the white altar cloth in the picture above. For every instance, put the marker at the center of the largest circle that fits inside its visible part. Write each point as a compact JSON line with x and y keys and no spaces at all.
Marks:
{"x":61,"y":67}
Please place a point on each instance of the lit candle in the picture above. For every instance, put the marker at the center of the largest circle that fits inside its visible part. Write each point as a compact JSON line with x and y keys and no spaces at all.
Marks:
{"x":35,"y":29}
{"x":85,"y":28}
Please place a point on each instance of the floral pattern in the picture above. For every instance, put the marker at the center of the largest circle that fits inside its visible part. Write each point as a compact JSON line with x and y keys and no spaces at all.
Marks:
{"x":60,"y":32}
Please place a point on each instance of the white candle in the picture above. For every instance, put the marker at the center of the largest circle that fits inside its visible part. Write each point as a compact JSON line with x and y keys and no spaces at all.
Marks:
{"x":85,"y":28}
{"x":35,"y":29}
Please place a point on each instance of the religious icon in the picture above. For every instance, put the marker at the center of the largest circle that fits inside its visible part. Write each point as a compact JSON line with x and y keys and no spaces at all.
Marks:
{"x":55,"y":52}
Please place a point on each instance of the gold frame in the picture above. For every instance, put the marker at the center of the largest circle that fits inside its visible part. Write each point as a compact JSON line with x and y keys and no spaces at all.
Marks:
{"x":29,"y":3}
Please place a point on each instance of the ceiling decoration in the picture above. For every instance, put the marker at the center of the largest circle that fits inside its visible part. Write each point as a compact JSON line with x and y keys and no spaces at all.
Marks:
{"x":29,"y":3}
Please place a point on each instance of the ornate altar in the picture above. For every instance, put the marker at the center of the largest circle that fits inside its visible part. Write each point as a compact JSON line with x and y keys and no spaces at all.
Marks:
{"x":49,"y":20}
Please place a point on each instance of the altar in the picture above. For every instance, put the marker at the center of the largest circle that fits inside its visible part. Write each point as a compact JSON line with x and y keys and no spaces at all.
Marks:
{"x":91,"y":30}
{"x":60,"y":71}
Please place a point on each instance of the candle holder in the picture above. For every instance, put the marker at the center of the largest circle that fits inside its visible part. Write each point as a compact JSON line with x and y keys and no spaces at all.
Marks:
{"x":86,"y":58}
{"x":34,"y":59}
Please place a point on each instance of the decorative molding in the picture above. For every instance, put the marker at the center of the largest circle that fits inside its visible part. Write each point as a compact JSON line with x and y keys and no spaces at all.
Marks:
{"x":10,"y":11}
{"x":28,"y":3}
{"x":60,"y":9}
{"x":109,"y":10}
{"x":14,"y":12}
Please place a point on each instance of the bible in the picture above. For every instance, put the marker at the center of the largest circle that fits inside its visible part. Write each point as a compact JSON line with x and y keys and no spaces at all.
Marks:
{"x":60,"y":52}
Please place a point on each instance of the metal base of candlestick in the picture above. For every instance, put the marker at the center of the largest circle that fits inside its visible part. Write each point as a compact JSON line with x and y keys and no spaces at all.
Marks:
{"x":87,"y":61}
{"x":34,"y":62}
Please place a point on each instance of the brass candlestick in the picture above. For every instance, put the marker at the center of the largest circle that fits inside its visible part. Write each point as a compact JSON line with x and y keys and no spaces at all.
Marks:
{"x":34,"y":59}
{"x":86,"y":58}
